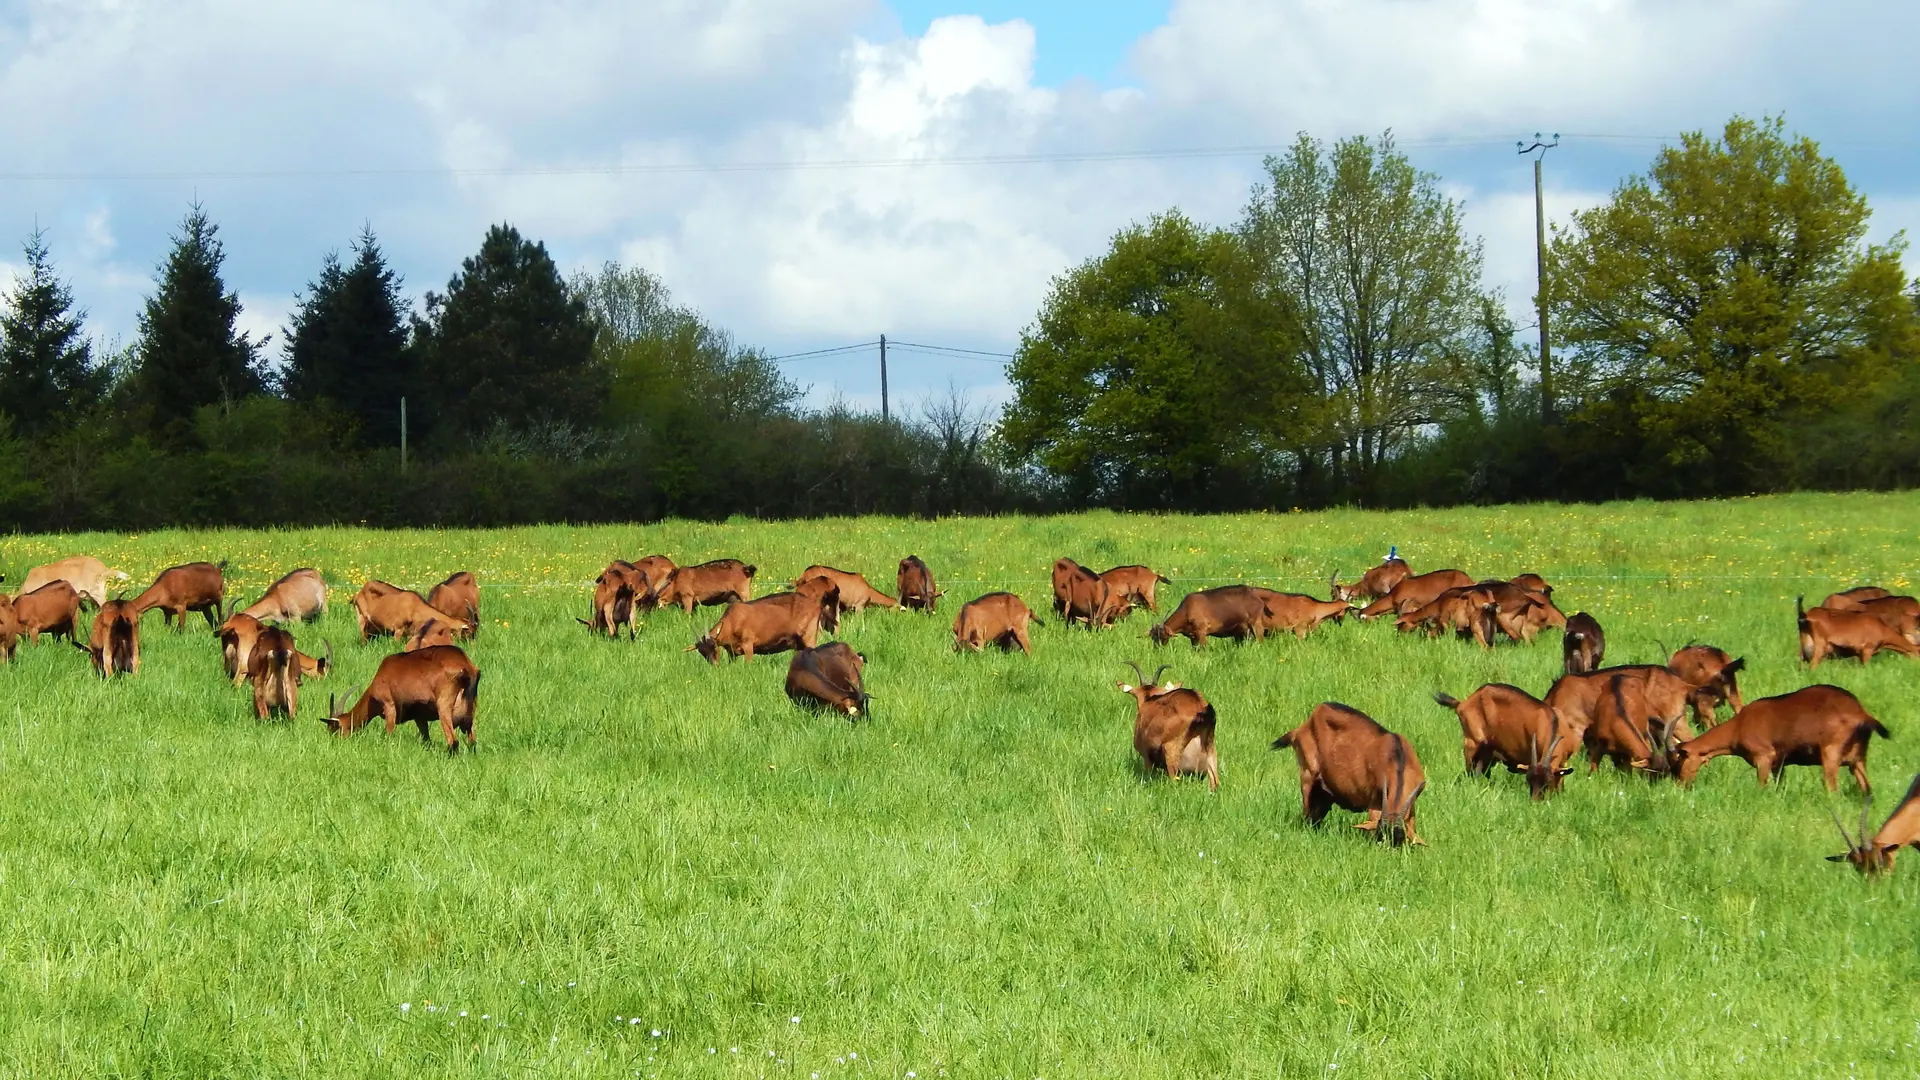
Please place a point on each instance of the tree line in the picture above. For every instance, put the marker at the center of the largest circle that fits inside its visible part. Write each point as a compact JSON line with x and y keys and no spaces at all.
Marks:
{"x":1720,"y":326}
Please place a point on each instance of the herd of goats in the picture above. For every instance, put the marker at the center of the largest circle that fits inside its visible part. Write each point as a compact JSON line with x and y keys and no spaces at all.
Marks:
{"x":1633,"y":715}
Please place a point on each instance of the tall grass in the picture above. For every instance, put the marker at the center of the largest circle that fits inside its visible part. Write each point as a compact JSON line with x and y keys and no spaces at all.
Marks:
{"x":656,"y":867}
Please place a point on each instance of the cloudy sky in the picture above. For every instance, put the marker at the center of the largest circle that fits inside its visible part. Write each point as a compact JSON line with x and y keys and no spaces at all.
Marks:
{"x":747,"y":150}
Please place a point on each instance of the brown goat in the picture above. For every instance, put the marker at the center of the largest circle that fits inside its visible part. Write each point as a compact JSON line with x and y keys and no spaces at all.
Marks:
{"x":1520,"y":612}
{"x":87,"y":575}
{"x":617,"y":595}
{"x":1505,"y":725}
{"x":1133,"y":586}
{"x":9,"y":629}
{"x":299,"y":596}
{"x":1577,"y":697}
{"x":721,"y":581}
{"x":1902,"y":613}
{"x":1416,"y":591}
{"x":439,"y":683}
{"x":1902,"y":829}
{"x":1816,"y":725}
{"x":1082,"y":596}
{"x":1583,"y":646}
{"x":1350,"y":761}
{"x":386,"y":609}
{"x":459,"y":596}
{"x":1533,"y":583}
{"x":856,"y":593}
{"x":238,"y":634}
{"x":998,"y":618}
{"x":654,"y":571}
{"x":1827,"y":633}
{"x":1848,"y":599}
{"x":1173,"y":728}
{"x":114,"y":642}
{"x":53,"y":609}
{"x":915,"y":585}
{"x":771,"y":624}
{"x":1374,"y":584}
{"x":1714,"y":677}
{"x":197,"y":586}
{"x":1625,"y":729}
{"x":829,"y":676}
{"x":1298,"y":612}
{"x":275,"y":668}
{"x":1234,"y":611}
{"x":1466,"y":611}
{"x":428,"y":634}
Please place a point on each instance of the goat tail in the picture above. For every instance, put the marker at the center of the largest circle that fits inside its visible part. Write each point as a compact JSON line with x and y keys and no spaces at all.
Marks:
{"x":1875,"y":727}
{"x":1163,"y":579}
{"x":1800,"y":609}
{"x":1447,"y":701}
{"x":1285,"y":741}
{"x":120,"y":647}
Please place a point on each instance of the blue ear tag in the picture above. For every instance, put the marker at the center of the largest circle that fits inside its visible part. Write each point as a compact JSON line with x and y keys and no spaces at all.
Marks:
{"x":1393,"y":552}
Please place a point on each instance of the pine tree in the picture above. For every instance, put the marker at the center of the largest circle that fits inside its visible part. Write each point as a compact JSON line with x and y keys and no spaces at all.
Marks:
{"x":46,"y":367}
{"x":190,"y":352}
{"x":347,"y":343}
{"x":510,"y":342}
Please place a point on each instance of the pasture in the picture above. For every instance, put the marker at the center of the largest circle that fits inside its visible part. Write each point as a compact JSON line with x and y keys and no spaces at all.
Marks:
{"x":653,"y":867}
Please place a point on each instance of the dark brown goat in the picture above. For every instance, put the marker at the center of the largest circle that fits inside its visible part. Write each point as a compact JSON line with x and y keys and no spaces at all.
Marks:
{"x":915,"y":585}
{"x":1173,"y":728}
{"x":53,"y":609}
{"x":1416,"y":591}
{"x":197,"y":586}
{"x":710,"y":584}
{"x":856,"y":593}
{"x":1715,"y":678}
{"x":1234,"y":611}
{"x":114,"y":642}
{"x":297,"y":597}
{"x":771,"y":624}
{"x":1374,"y":584}
{"x":432,"y":684}
{"x":830,"y":676}
{"x":1826,"y":633}
{"x":1350,"y":761}
{"x":1505,"y":725}
{"x":1298,"y":612}
{"x":1816,"y":725}
{"x":1583,"y":646}
{"x":459,"y":596}
{"x":998,"y":618}
{"x":1902,"y":829}
{"x":1133,"y":587}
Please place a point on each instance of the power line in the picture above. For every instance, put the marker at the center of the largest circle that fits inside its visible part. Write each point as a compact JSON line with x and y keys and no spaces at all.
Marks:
{"x":948,"y":349}
{"x":821,"y":352}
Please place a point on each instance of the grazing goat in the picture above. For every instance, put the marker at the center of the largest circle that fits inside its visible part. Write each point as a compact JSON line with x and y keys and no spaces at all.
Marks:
{"x":617,"y":594}
{"x":654,"y":571}
{"x":1416,"y":591}
{"x":52,"y":609}
{"x":459,"y":596}
{"x":1902,"y":829}
{"x":9,"y":629}
{"x":1373,"y":584}
{"x":710,"y":584}
{"x":1466,"y":611}
{"x":915,"y":585}
{"x":1298,"y":612}
{"x":1848,"y":599}
{"x":1133,"y":586}
{"x":1505,"y":725}
{"x":237,"y":635}
{"x":856,"y":593}
{"x":1577,"y":697}
{"x":1082,"y":596}
{"x":276,"y":667}
{"x":439,"y":683}
{"x":1901,"y":613}
{"x":998,"y":618}
{"x":829,"y":676}
{"x":297,"y":597}
{"x":1533,"y":583}
{"x":428,"y":634}
{"x":1173,"y":728}
{"x":196,"y":586}
{"x":1234,"y":611}
{"x":114,"y":642}
{"x":1714,"y":677}
{"x":771,"y":624}
{"x":387,"y":609}
{"x":86,"y":574}
{"x":1350,"y":761}
{"x":1816,"y":725}
{"x":1520,"y":612}
{"x":1827,"y":633}
{"x":1583,"y":646}
{"x":1625,"y":729}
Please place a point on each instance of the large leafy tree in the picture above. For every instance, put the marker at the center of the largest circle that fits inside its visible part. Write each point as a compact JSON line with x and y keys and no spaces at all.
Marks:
{"x":1713,"y":303}
{"x":1152,"y":377}
{"x":190,"y":352}
{"x":509,"y":344}
{"x":1369,"y":258}
{"x":347,"y":343}
{"x":47,"y":374}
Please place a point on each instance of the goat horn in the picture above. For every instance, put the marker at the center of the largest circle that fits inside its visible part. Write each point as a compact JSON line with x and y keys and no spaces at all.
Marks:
{"x":1865,"y":809}
{"x":1533,"y":749}
{"x":1155,"y":681}
{"x":1137,"y":673}
{"x":1844,"y":838}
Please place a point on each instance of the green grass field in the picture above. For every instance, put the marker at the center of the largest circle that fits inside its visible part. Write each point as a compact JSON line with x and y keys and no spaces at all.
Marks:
{"x":653,"y":867}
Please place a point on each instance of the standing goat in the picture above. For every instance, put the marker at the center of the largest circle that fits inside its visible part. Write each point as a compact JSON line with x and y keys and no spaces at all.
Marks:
{"x":1350,"y":761}
{"x":1815,"y":725}
{"x":1173,"y":727}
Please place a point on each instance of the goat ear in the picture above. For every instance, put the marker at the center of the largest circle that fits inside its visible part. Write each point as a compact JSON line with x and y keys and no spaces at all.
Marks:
{"x":1124,"y":688}
{"x":1563,"y":772}
{"x":1839,"y":858}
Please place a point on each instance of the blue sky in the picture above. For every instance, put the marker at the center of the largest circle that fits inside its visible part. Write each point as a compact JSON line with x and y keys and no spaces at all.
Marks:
{"x":610,"y":129}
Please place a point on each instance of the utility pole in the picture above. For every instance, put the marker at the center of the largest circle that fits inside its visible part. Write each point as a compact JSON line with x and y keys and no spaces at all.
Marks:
{"x":403,"y":435}
{"x":884,"y":415}
{"x":1540,"y":251}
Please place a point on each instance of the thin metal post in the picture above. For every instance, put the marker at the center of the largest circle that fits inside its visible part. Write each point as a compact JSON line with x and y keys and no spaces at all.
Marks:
{"x":884,"y":414}
{"x":1540,"y":255}
{"x":403,"y":434}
